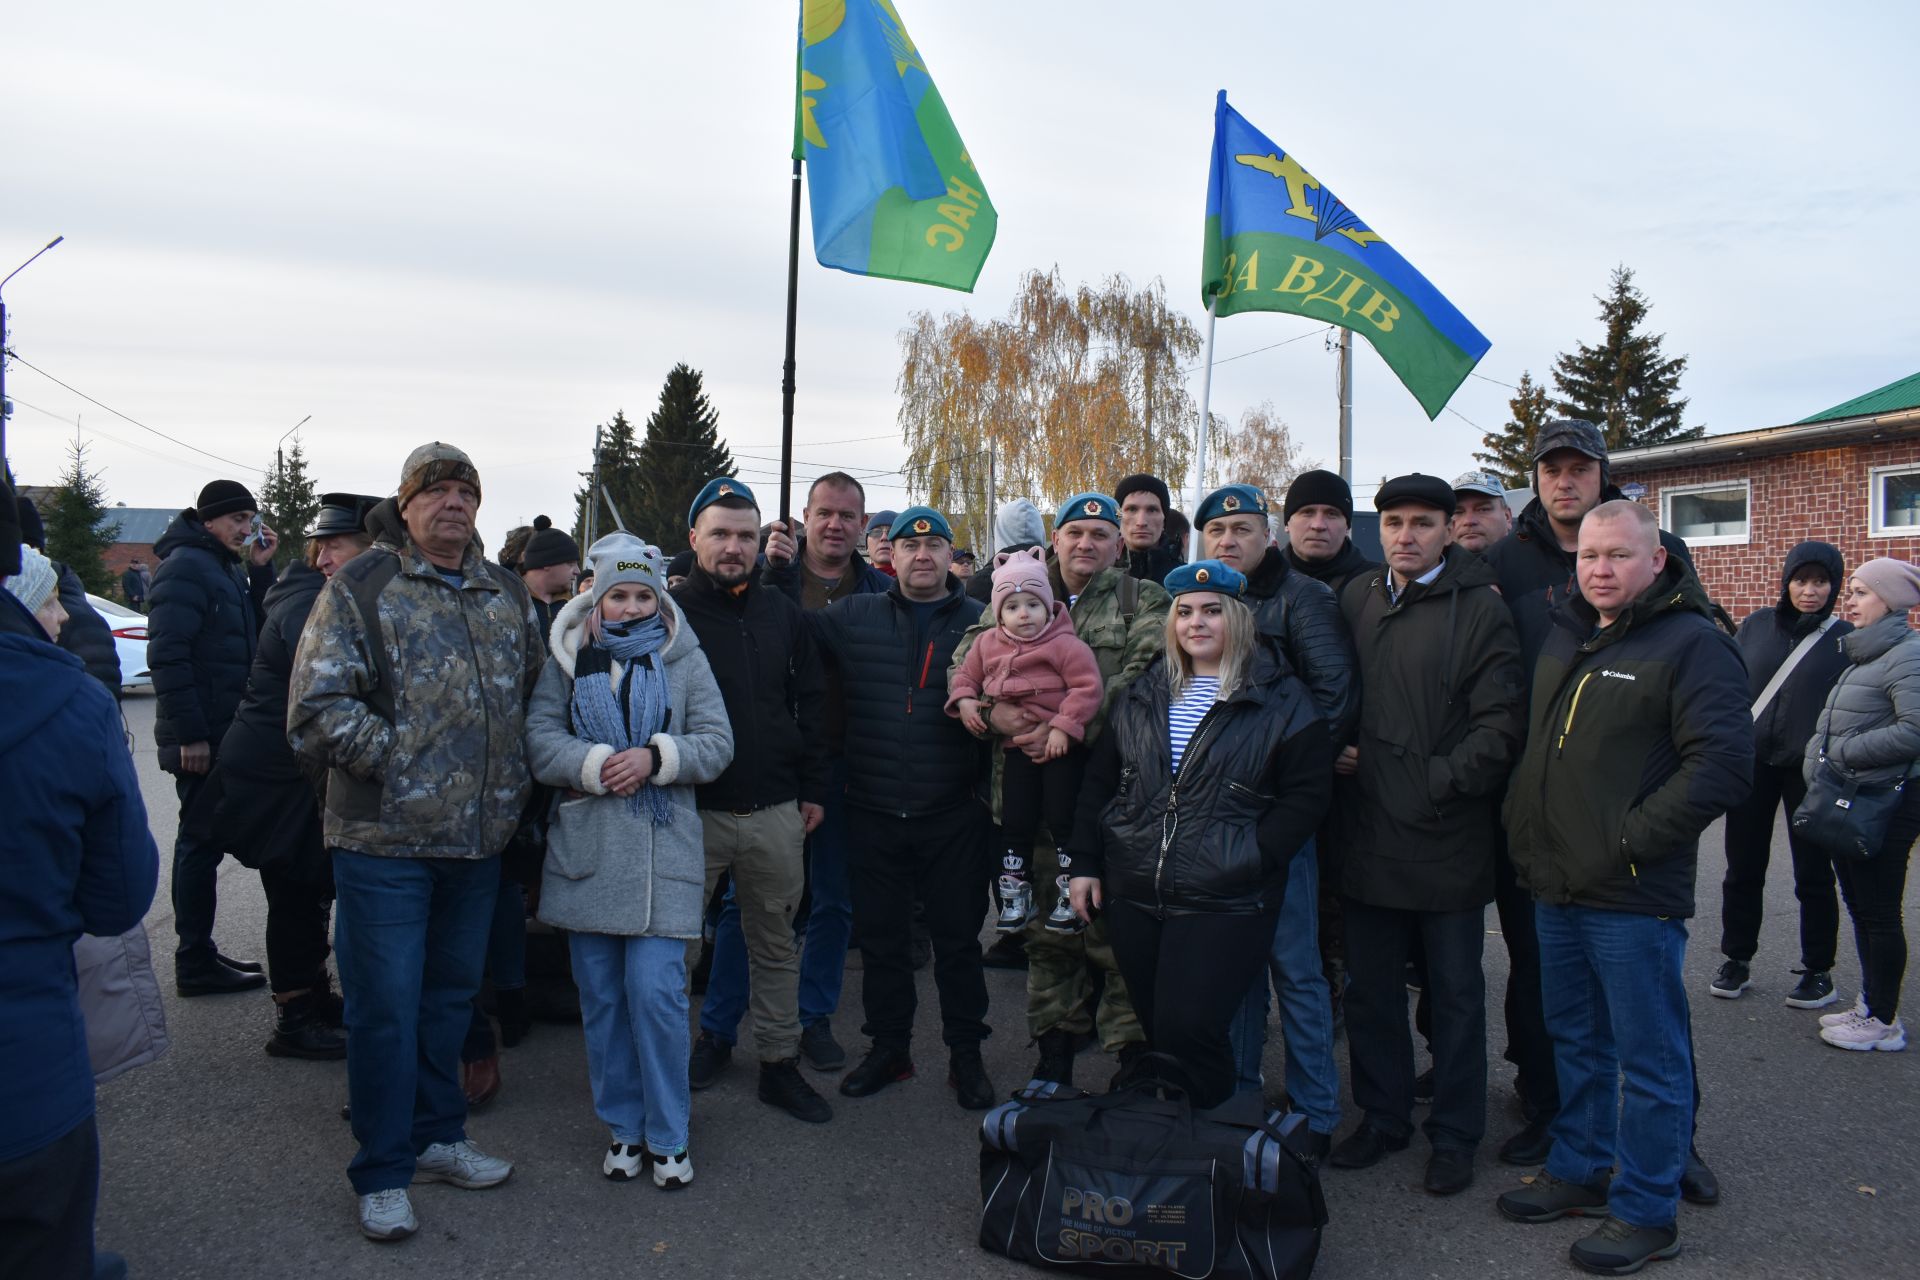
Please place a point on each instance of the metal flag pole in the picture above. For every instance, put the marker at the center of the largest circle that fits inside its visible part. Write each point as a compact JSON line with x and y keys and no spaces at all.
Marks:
{"x":786,"y":379}
{"x":1200,"y":452}
{"x":993,"y":456}
{"x":1346,"y":406}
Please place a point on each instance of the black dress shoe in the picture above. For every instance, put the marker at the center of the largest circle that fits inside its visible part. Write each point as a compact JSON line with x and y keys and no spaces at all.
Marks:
{"x":211,"y":978}
{"x":967,"y":1076}
{"x":1363,"y":1147}
{"x":1449,"y":1171}
{"x":881,"y":1067}
{"x":1530,"y":1146}
{"x":1698,"y":1184}
{"x":244,"y":966}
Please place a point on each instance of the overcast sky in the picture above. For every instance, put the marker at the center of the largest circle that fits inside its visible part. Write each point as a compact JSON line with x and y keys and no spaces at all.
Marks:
{"x":496,"y":224}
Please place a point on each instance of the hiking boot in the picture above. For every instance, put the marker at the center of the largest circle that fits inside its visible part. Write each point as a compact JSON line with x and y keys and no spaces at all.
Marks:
{"x":1530,"y":1146}
{"x":819,"y":1049}
{"x":883,"y":1065}
{"x":1813,"y":991}
{"x":623,"y":1161}
{"x":1618,"y":1248}
{"x":1698,"y":1183}
{"x":1866,"y":1033}
{"x":1016,"y":904}
{"x":1732,"y":979}
{"x":1547,"y":1199}
{"x":671,"y":1171}
{"x":1056,"y":1057}
{"x":1009,"y":951}
{"x":1130,"y":1055}
{"x":206,"y":976}
{"x":782,"y":1086}
{"x":387,"y":1215}
{"x":967,"y":1077}
{"x":1423,"y":1086}
{"x":1062,"y":919}
{"x":1365,"y":1147}
{"x":300,"y":1032}
{"x":711,"y":1056}
{"x":461,"y":1164}
{"x":1859,"y":1010}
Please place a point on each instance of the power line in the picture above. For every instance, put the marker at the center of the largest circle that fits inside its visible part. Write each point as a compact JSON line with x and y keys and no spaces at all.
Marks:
{"x":19,"y":359}
{"x":1495,"y":381}
{"x":77,"y":425}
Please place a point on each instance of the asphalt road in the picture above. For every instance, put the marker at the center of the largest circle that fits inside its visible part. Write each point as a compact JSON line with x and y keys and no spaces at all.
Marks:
{"x":220,"y":1161}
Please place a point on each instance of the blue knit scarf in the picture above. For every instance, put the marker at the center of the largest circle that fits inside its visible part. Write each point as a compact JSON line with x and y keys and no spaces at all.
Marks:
{"x":602,"y":717}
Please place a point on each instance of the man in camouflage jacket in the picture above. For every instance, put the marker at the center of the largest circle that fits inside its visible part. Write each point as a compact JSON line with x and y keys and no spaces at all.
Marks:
{"x":410,"y":689}
{"x":1123,"y":620}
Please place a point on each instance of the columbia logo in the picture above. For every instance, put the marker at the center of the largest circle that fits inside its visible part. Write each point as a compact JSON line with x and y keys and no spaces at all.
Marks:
{"x":1618,"y":675}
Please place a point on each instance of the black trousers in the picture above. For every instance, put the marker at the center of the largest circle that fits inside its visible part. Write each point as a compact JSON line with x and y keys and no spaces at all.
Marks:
{"x":1749,"y":843}
{"x":47,"y":1200}
{"x":940,"y":859}
{"x":1529,"y":1047}
{"x":196,"y":865}
{"x":1874,"y":888}
{"x":1381,"y":1047}
{"x":1188,"y":975}
{"x":1033,"y":792}
{"x":299,"y":911}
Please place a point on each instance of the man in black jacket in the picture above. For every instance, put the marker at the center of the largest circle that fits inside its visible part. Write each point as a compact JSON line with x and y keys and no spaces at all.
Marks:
{"x":1144,"y":502}
{"x":1439,"y":730}
{"x":914,"y":823}
{"x":1319,"y":516}
{"x":758,"y":813}
{"x":1304,"y":617}
{"x":207,"y":595}
{"x":1639,"y":737}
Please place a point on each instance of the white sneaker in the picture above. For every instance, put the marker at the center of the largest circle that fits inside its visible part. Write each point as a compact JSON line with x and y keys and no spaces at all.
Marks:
{"x":623,"y":1161}
{"x":1858,"y":1011}
{"x":1866,"y":1033}
{"x":671,"y":1171}
{"x":461,"y":1164}
{"x":387,"y":1215}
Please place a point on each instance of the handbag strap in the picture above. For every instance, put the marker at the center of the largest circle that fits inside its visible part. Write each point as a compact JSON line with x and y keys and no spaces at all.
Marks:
{"x":1800,"y":651}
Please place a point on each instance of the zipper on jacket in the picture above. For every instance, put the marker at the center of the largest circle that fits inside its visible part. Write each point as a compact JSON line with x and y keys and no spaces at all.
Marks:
{"x":1560,"y":746}
{"x":1170,"y":824}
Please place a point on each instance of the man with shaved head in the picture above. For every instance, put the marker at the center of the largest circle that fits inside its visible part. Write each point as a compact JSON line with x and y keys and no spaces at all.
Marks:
{"x":1639,"y":737}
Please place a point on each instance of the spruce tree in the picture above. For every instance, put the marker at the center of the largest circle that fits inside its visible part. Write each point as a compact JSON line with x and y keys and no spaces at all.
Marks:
{"x":1509,"y":450}
{"x":619,"y":476}
{"x":288,"y":504}
{"x":1625,"y":384}
{"x":682,"y":451}
{"x":75,"y":518}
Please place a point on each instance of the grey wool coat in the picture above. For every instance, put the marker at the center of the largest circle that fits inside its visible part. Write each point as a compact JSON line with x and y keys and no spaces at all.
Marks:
{"x":608,"y":869}
{"x":1873,"y":710}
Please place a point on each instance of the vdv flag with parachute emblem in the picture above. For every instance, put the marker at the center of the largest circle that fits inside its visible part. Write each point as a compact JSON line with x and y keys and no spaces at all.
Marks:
{"x":1278,"y":240}
{"x":892,"y":189}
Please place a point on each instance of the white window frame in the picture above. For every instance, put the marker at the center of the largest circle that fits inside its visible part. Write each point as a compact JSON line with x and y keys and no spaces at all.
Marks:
{"x":1670,"y":492}
{"x":1877,"y":527}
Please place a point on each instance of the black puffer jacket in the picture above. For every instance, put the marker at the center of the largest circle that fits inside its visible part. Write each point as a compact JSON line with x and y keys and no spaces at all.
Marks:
{"x":1536,"y":574}
{"x":1152,"y":565}
{"x":768,"y":669}
{"x":1347,"y":564}
{"x":1219,"y":836}
{"x":1766,"y":639}
{"x":1441,"y":728}
{"x":202,"y":629}
{"x":1639,"y":736}
{"x":86,"y":634}
{"x":905,"y":755}
{"x":1304,"y":616}
{"x":257,"y":740}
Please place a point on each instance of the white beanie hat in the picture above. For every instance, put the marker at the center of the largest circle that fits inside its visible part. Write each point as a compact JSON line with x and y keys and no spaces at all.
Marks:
{"x":36,"y":580}
{"x":621,"y":557}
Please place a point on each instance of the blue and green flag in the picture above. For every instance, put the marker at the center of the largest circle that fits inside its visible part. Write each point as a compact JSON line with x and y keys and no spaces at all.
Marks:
{"x":891,"y":186}
{"x":1278,"y":240}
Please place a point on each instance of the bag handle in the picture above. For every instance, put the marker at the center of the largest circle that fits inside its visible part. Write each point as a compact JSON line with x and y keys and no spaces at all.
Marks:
{"x":1800,"y":651}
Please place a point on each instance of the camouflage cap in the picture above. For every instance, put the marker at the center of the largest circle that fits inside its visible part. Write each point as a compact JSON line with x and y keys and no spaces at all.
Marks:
{"x":432,"y":463}
{"x":1576,"y":434}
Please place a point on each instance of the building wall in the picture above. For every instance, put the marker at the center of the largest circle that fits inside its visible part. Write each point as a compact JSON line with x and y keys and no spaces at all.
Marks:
{"x":121,"y":554}
{"x":1819,"y":494}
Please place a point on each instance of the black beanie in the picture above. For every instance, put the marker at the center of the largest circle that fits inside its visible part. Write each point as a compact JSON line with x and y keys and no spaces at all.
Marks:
{"x":1139,"y":482}
{"x":548,"y":546}
{"x":681,"y":565}
{"x":223,"y":498}
{"x":1318,"y":489}
{"x":32,"y":531}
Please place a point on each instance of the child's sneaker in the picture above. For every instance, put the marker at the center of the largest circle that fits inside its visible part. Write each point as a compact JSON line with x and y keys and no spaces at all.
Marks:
{"x":1866,"y":1033}
{"x":1062,"y":919}
{"x":1858,"y":1011}
{"x":671,"y":1171}
{"x":1016,"y":904}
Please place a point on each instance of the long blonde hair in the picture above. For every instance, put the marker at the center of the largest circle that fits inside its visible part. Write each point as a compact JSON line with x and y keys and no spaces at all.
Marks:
{"x":1236,"y":651}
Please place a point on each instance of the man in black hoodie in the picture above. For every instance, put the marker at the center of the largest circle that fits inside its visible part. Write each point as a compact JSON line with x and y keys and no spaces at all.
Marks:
{"x":207,"y":608}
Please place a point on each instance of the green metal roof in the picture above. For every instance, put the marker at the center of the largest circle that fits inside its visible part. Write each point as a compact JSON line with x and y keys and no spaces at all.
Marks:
{"x":1904,"y":394}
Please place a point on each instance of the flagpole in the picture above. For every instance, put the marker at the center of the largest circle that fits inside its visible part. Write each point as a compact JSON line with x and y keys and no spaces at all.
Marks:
{"x":1206,"y":408}
{"x":786,"y":381}
{"x":1346,"y":406}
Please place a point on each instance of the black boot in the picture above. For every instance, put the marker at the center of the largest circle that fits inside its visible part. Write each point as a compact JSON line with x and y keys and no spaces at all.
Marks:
{"x":515,"y":1021}
{"x":968,"y":1077}
{"x":331,"y":1009}
{"x":883,"y":1065}
{"x":1056,"y":1057}
{"x":1130,"y":1055}
{"x":782,"y":1086}
{"x":300,"y":1032}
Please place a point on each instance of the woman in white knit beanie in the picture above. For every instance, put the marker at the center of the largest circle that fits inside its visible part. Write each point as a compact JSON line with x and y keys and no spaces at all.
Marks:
{"x":35,"y":587}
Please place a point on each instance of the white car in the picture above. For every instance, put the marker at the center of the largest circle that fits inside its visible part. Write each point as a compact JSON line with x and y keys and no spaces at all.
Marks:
{"x":129,"y":641}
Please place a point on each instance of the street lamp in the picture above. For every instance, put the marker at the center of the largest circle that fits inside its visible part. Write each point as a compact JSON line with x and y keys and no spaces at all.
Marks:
{"x":279,"y":459}
{"x":5,"y":406}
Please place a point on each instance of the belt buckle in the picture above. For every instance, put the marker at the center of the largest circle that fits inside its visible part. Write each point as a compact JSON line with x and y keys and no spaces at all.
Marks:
{"x":741,"y":813}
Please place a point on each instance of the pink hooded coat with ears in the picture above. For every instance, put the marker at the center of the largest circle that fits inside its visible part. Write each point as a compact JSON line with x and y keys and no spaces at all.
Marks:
{"x":1054,"y":674}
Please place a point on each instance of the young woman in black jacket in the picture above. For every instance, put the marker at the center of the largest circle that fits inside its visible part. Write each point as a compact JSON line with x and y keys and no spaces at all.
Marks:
{"x":1214,"y":769}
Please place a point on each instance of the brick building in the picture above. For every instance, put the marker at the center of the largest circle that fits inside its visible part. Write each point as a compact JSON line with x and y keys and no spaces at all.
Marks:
{"x":1849,"y":475}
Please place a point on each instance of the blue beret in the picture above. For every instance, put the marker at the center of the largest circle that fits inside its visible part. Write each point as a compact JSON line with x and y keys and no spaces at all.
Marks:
{"x":715,"y":489}
{"x":1208,"y":575}
{"x":1087,"y":506}
{"x":1230,"y":500}
{"x":920,"y":522}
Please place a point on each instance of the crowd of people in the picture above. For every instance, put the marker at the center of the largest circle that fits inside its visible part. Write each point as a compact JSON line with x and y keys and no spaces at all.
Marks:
{"x":1177,"y":789}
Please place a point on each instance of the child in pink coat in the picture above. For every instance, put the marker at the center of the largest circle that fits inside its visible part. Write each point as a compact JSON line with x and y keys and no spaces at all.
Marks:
{"x":1032,"y":659}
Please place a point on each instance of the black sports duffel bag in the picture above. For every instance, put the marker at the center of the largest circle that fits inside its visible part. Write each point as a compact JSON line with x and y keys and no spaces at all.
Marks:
{"x":1141,"y":1183}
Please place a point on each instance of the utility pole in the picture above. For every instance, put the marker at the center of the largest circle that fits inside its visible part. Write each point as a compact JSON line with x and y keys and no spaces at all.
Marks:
{"x":593,"y":490}
{"x":1346,"y":406}
{"x":993,"y":454}
{"x":279,"y":454}
{"x":6,"y":405}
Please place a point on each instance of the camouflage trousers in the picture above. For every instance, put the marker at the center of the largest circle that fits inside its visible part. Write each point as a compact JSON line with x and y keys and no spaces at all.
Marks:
{"x":1060,"y":971}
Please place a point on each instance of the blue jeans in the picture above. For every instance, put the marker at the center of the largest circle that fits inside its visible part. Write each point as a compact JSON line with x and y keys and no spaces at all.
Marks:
{"x":1616,"y":1006}
{"x":633,"y":1007}
{"x":410,"y":939}
{"x":823,"y":941}
{"x":1306,"y":1010}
